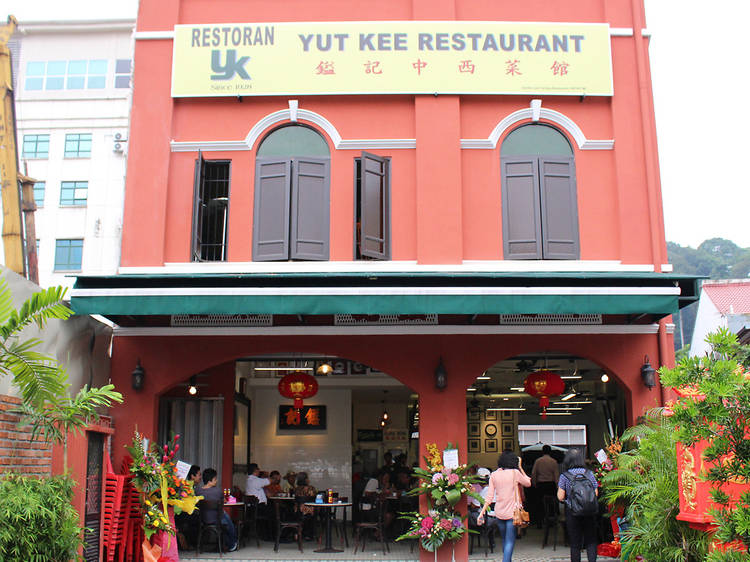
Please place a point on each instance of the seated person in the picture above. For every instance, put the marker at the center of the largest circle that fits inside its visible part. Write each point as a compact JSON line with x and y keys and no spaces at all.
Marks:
{"x":210,"y":491}
{"x":274,"y":488}
{"x":304,"y":490}
{"x":187,"y":524}
{"x":194,"y":476}
{"x":473,"y":504}
{"x":289,"y":482}
{"x":403,"y":481}
{"x":255,"y":484}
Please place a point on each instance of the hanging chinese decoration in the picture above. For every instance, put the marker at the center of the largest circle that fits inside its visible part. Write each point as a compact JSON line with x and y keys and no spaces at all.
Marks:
{"x":543,"y":384}
{"x":298,"y":385}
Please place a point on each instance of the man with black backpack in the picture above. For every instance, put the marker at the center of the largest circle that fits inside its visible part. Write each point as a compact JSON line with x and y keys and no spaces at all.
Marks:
{"x":578,"y":488}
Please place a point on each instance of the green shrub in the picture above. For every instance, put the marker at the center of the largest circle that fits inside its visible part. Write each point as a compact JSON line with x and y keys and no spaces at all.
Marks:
{"x":37,"y":519}
{"x":645,"y":483}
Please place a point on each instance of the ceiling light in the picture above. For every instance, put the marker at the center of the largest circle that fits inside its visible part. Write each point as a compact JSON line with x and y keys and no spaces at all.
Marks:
{"x":574,"y":402}
{"x":471,"y":389}
{"x":282,"y":368}
{"x":568,"y":397}
{"x":571,"y":377}
{"x":324,"y":369}
{"x":557,"y":413}
{"x":518,"y":388}
{"x":506,"y":398}
{"x":605,"y":377}
{"x":484,"y":378}
{"x":192,"y":388}
{"x":564,"y":408}
{"x":506,"y":409}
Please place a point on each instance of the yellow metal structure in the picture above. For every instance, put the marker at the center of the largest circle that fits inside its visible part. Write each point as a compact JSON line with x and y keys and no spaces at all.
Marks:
{"x":11,"y":194}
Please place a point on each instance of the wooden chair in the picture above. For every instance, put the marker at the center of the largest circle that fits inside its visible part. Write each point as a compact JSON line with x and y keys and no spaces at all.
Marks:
{"x":483,"y":532}
{"x":251,"y":518}
{"x":207,"y":506}
{"x":287,"y":517}
{"x":377,"y":512}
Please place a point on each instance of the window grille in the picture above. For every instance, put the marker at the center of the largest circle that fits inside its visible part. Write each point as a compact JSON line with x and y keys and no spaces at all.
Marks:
{"x":212,"y":212}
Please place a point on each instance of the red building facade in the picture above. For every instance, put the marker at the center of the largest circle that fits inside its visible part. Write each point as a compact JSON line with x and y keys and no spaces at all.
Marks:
{"x":465,"y":204}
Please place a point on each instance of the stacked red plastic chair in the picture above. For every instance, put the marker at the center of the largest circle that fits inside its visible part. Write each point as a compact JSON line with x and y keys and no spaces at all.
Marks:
{"x":122,"y":532}
{"x":113,"y":515}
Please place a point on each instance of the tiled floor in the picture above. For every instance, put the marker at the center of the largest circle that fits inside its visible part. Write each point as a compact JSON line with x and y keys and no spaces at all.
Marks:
{"x":528,"y":549}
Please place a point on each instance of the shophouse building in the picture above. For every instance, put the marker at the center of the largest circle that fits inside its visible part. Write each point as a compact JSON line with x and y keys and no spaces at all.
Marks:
{"x":420,"y":202}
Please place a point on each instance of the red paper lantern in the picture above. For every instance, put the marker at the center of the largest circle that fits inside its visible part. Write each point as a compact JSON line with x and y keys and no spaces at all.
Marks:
{"x":544,"y":384}
{"x":298,"y":385}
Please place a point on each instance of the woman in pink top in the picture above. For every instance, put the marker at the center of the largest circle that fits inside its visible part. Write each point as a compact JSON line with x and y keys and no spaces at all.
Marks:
{"x":503,"y":491}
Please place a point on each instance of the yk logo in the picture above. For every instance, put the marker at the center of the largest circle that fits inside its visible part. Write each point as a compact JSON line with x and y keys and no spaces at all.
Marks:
{"x":231,"y":66}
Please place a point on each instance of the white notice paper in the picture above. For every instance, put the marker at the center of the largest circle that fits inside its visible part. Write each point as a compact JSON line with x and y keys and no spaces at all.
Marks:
{"x":601,"y":456}
{"x":182,"y":469}
{"x":450,"y":458}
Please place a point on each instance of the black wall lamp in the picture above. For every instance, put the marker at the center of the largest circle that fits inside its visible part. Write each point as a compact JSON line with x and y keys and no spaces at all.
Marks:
{"x":138,"y":375}
{"x":441,"y":376}
{"x":648,"y":374}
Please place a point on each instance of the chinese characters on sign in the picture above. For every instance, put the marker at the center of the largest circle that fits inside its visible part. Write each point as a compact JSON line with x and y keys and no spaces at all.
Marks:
{"x":306,"y":418}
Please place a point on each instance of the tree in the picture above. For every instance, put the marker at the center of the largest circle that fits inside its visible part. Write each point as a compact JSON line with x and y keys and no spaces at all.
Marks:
{"x":644,"y":483}
{"x":719,"y":416}
{"x":42,"y":381}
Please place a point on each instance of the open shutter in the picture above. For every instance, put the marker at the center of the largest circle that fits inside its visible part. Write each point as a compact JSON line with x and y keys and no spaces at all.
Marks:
{"x":374,"y":241}
{"x":271,"y":213}
{"x":559,"y":208}
{"x":310,"y":209}
{"x":198,"y":207}
{"x":522,"y":225}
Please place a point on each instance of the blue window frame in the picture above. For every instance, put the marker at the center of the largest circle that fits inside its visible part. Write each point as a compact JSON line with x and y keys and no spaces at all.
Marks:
{"x":39,"y":193}
{"x":78,"y":145}
{"x":122,"y":73}
{"x":35,"y":146}
{"x":68,"y":254}
{"x":66,"y":75}
{"x":74,"y":193}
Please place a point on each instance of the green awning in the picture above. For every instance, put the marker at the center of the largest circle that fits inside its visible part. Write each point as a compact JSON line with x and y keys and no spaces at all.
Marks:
{"x":378,"y":293}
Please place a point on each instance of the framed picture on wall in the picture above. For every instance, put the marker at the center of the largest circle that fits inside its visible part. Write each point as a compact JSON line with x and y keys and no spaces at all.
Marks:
{"x":490,"y":445}
{"x":475,"y":446}
{"x":490,"y":415}
{"x":473,"y":429}
{"x":507,"y":430}
{"x":509,"y":444}
{"x":506,"y":415}
{"x":475,"y":414}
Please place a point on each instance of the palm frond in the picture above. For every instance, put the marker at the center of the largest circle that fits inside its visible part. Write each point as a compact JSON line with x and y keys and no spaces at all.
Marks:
{"x":39,"y":308}
{"x":40,"y":378}
{"x":6,"y":301}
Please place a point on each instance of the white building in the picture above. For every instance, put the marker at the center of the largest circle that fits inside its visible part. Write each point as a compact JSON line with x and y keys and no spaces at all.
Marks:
{"x":72,"y":91}
{"x":723,"y":304}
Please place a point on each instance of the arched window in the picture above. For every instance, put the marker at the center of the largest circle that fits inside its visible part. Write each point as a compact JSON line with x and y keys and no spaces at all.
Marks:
{"x":292,"y":178}
{"x":540,"y":206}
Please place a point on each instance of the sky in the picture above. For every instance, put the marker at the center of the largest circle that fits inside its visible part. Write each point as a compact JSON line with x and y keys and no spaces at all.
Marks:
{"x":700,"y":86}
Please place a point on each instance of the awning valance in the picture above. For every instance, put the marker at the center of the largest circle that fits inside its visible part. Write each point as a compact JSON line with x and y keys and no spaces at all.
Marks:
{"x":370,"y":293}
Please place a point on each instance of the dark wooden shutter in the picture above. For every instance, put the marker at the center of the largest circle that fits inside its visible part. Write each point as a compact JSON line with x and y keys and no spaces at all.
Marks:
{"x":271,"y":213}
{"x":198,"y":207}
{"x":374,"y":241}
{"x":559,"y":208}
{"x":522,"y":225}
{"x":310,"y":209}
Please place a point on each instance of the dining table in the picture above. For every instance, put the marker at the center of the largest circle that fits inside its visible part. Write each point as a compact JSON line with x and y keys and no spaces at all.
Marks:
{"x":328,"y":514}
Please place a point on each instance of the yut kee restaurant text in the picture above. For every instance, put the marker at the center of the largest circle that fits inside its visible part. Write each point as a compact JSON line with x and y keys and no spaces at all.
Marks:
{"x":392,"y":57}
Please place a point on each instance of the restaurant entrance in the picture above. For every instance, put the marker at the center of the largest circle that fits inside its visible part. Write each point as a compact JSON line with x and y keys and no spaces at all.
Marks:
{"x":505,"y":413}
{"x":345,"y":431}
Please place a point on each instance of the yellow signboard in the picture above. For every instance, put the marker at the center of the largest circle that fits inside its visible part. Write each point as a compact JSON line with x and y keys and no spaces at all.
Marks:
{"x":414,"y":57}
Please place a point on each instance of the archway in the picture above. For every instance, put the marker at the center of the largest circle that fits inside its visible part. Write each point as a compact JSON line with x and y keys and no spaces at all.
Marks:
{"x":589,"y":411}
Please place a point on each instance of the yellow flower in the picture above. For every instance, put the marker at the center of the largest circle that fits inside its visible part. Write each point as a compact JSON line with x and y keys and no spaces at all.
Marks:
{"x":148,"y":503}
{"x":156,"y":523}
